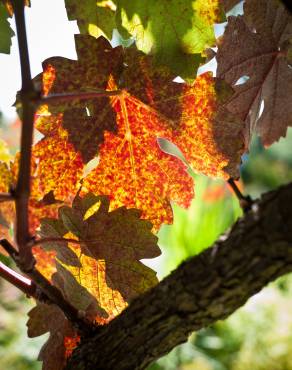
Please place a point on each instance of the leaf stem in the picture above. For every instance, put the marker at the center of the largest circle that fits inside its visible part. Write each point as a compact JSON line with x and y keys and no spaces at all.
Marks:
{"x":56,"y":240}
{"x":64,"y":240}
{"x":245,"y":201}
{"x":6,"y":197}
{"x":78,"y":95}
{"x":27,"y":94}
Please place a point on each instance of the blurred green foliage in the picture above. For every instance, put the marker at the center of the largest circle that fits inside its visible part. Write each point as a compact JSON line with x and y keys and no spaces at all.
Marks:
{"x":212,"y":211}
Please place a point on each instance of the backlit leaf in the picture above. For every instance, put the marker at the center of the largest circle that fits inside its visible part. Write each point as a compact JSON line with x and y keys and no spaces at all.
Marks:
{"x":49,"y":318}
{"x":98,"y":274}
{"x":175,"y":31}
{"x":89,"y":74}
{"x":106,"y":256}
{"x":6,"y":31}
{"x":264,"y":97}
{"x":132,"y":169}
{"x":96,"y":18}
{"x":7,"y":209}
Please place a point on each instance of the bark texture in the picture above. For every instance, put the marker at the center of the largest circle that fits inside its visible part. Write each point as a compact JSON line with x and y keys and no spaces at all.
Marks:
{"x":199,"y":292}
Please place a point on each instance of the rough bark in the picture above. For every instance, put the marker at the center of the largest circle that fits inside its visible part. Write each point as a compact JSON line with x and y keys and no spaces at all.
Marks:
{"x":199,"y":292}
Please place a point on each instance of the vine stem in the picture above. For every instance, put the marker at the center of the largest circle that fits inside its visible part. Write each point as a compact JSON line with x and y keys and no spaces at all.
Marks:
{"x":22,"y":191}
{"x":245,"y":201}
{"x":26,"y":285}
{"x":24,"y":258}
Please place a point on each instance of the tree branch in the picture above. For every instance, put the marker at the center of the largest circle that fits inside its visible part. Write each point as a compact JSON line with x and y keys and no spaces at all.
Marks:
{"x":204,"y":289}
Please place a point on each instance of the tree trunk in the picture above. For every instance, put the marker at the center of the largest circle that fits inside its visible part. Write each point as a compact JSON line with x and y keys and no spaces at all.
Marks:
{"x":202,"y":290}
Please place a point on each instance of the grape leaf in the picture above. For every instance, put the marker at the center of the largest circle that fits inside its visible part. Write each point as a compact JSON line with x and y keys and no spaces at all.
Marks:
{"x":104,"y":262}
{"x":99,"y":273}
{"x":89,"y":74}
{"x":49,"y":318}
{"x":6,"y":31}
{"x":7,"y":209}
{"x":176,"y":31}
{"x":96,"y":18}
{"x":132,"y":169}
{"x":266,"y":30}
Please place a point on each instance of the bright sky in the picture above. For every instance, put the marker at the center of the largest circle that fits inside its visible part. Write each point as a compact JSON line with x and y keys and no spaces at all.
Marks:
{"x":49,"y":34}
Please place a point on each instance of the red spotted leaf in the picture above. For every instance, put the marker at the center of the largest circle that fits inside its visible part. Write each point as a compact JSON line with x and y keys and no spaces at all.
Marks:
{"x":88,"y":74}
{"x":132,"y":169}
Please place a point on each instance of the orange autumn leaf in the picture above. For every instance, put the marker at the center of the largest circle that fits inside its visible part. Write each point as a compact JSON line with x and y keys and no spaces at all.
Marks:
{"x":132,"y":169}
{"x":7,"y":209}
{"x":97,"y":60}
{"x":41,"y":203}
{"x":45,"y":261}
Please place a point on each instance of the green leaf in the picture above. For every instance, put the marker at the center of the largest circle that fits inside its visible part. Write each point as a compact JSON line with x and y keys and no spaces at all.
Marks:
{"x":5,"y":31}
{"x":96,"y":18}
{"x":175,"y":31}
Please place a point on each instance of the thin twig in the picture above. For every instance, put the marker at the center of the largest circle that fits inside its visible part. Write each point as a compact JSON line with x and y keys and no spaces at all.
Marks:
{"x":245,"y":201}
{"x":24,"y":284}
{"x":79,"y":96}
{"x":27,"y":95}
{"x":9,"y":248}
{"x":6,"y":197}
